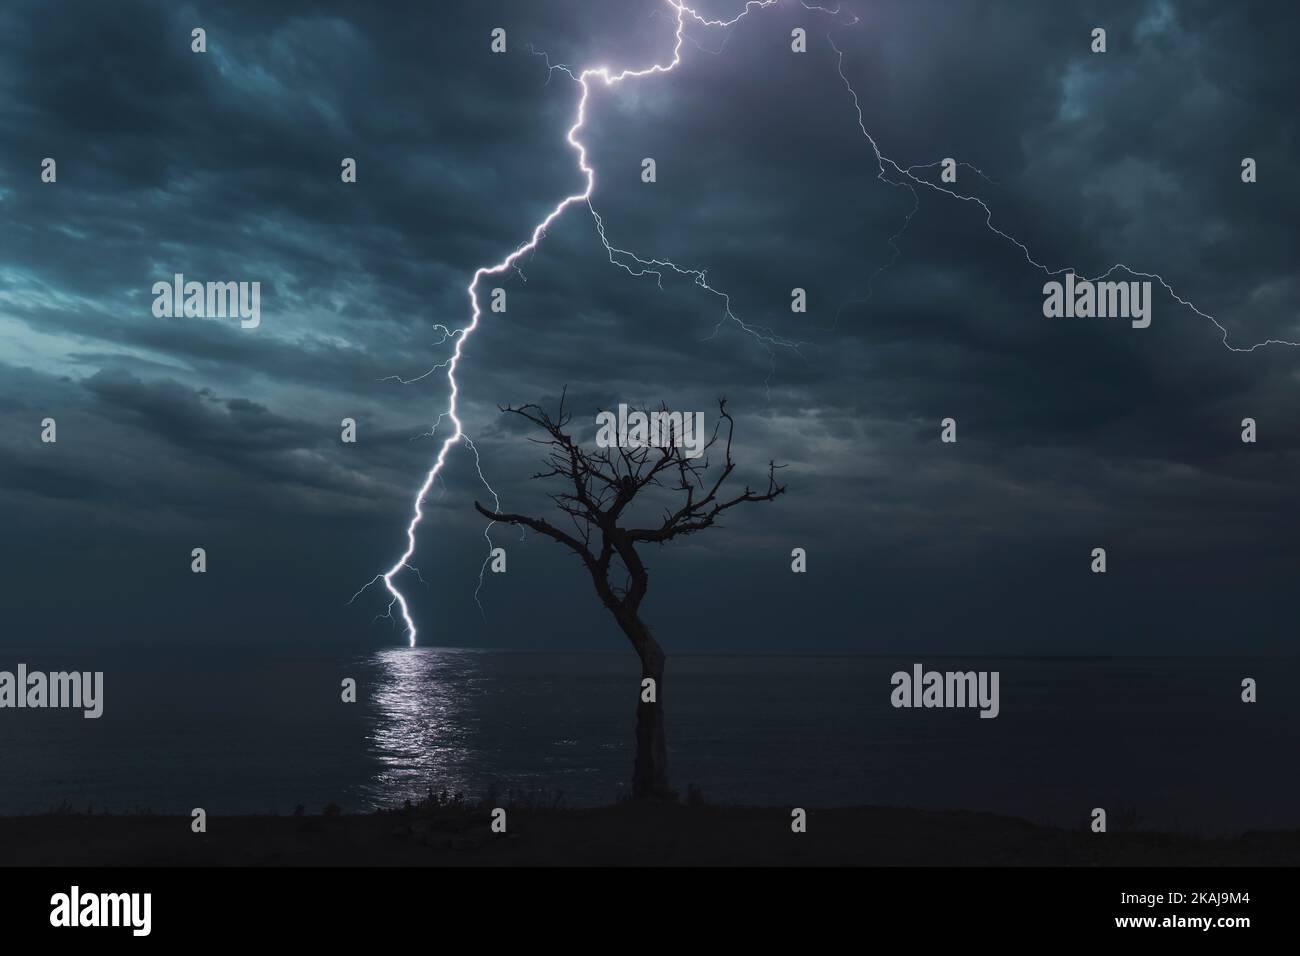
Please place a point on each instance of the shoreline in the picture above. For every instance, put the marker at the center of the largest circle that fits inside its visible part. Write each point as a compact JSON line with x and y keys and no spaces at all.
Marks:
{"x":638,"y":834}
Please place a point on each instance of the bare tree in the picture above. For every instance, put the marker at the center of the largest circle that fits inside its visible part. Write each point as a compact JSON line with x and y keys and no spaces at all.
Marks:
{"x":598,"y":488}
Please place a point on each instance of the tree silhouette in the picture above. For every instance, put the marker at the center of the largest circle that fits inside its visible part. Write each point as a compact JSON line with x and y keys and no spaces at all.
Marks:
{"x":599,"y":488}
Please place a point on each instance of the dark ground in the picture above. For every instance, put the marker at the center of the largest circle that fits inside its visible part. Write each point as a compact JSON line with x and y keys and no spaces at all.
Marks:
{"x":639,"y":834}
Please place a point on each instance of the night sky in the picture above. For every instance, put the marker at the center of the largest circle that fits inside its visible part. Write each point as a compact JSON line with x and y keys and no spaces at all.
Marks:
{"x":1073,"y":433}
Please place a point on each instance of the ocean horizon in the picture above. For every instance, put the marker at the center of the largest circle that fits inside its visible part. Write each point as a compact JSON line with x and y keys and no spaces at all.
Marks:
{"x":1161,"y":742}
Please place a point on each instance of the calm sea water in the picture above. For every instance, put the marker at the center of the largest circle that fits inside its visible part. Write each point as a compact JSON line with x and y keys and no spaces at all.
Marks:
{"x":1164,"y":741}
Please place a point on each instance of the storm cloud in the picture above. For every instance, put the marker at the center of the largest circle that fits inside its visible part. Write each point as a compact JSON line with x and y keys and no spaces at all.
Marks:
{"x":1073,"y":434}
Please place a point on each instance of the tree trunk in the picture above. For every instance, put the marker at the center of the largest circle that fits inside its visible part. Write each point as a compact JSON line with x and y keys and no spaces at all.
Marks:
{"x":650,"y":771}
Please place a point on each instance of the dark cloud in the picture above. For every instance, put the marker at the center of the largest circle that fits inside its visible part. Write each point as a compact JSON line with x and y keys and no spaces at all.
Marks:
{"x":1073,"y":434}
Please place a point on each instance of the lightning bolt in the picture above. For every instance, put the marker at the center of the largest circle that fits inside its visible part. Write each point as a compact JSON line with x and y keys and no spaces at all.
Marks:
{"x":890,"y":172}
{"x":585,"y":81}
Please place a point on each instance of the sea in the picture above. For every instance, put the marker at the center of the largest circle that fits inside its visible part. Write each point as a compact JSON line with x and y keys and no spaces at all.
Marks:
{"x":1160,"y":743}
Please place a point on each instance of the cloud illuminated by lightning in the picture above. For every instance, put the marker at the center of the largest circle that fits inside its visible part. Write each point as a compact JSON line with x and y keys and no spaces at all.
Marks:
{"x":890,"y":172}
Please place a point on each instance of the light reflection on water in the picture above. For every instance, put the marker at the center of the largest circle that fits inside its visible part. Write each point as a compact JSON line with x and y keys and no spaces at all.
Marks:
{"x":420,"y":737}
{"x":466,"y":721}
{"x":820,"y":731}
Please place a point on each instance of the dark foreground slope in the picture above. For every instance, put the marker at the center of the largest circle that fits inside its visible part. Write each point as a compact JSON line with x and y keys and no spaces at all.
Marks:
{"x":650,"y":834}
